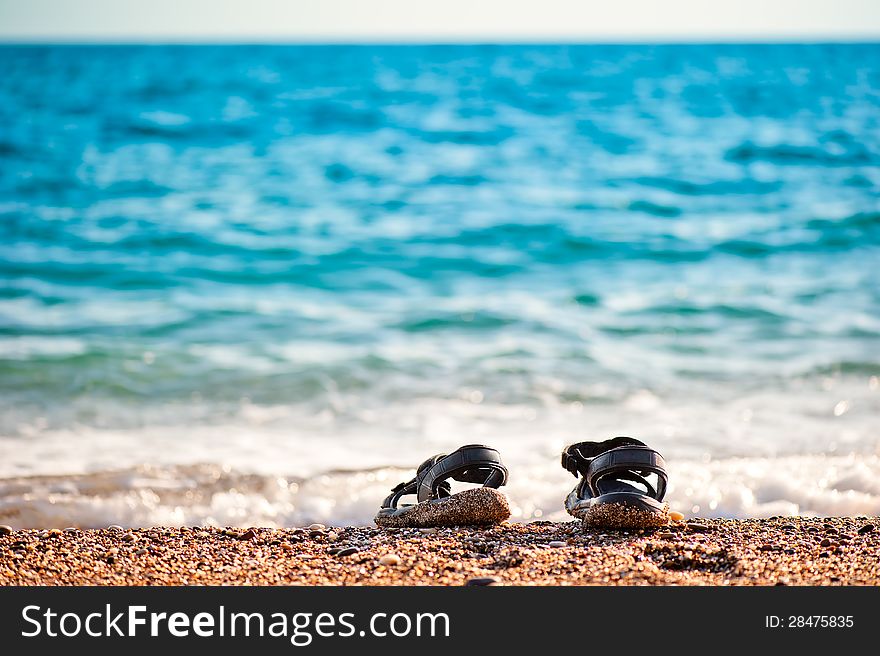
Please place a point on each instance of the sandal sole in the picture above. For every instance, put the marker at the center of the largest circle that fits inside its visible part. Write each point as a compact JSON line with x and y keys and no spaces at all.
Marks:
{"x":476,"y":507}
{"x":618,"y":510}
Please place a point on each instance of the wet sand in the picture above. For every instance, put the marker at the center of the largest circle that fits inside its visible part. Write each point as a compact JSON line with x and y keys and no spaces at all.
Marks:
{"x":787,"y":551}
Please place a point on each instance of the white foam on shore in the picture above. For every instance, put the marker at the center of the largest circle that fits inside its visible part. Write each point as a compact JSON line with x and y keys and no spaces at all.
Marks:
{"x":810,"y":450}
{"x":216,"y":495}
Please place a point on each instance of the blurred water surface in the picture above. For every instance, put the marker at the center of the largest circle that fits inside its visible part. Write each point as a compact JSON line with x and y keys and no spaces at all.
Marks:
{"x":289,"y":259}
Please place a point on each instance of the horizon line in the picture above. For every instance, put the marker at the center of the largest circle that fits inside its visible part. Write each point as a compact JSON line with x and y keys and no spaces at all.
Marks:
{"x":469,"y":40}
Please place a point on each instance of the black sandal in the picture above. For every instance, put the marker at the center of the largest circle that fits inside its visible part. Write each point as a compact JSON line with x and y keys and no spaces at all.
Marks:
{"x":437,"y":506}
{"x":614,"y":490}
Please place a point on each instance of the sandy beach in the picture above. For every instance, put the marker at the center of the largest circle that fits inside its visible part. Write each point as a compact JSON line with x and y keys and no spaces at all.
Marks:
{"x":776,"y":551}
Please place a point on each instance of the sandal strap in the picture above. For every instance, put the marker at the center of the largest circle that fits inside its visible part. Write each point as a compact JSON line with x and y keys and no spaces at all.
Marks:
{"x":629,"y":463}
{"x":473,"y":463}
{"x":577,"y":457}
{"x":623,"y":458}
{"x":411,"y":487}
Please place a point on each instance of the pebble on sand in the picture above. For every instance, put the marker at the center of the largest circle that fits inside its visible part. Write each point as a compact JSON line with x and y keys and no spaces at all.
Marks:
{"x":482,"y":580}
{"x":675,"y":516}
{"x":389,"y":560}
{"x":348,"y":551}
{"x":867,"y":528}
{"x":316,"y":527}
{"x":557,"y":543}
{"x":5,"y":530}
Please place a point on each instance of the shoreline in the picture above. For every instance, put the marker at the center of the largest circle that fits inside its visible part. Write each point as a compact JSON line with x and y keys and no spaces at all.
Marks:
{"x":699,"y":551}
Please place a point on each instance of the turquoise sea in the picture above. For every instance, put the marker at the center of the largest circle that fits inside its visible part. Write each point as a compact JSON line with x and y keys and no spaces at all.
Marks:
{"x":256,"y":285}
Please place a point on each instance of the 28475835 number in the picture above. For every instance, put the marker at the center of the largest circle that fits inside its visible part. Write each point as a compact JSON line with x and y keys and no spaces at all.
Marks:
{"x":809,"y":621}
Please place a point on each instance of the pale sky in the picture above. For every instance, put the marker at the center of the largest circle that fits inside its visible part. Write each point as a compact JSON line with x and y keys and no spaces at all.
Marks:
{"x":438,"y":20}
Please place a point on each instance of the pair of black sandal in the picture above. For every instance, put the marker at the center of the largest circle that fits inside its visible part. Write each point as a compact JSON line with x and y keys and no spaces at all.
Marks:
{"x":622,"y":485}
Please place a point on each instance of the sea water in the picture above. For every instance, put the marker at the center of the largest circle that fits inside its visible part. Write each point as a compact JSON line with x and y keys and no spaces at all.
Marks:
{"x":259,"y":285}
